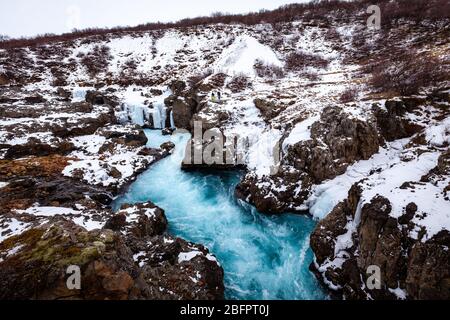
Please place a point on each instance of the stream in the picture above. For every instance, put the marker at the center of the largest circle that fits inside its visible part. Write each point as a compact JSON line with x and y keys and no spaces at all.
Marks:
{"x":263,"y":257}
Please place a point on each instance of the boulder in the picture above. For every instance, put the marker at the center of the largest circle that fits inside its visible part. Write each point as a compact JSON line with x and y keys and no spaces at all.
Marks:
{"x":34,"y":147}
{"x":269,"y":109}
{"x":183,"y":111}
{"x":97,"y":97}
{"x":38,"y":268}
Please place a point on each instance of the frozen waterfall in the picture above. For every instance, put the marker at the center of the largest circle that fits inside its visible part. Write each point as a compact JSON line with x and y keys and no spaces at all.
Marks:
{"x":141,"y":114}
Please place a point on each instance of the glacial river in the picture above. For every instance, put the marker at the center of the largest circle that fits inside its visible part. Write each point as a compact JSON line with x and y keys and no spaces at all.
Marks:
{"x":264,"y":257}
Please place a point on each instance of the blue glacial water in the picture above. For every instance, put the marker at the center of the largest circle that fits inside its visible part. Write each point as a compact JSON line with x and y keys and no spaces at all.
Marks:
{"x":264,"y":257}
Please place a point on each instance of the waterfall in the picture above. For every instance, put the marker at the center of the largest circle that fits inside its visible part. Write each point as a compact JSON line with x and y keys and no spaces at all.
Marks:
{"x":156,"y":114}
{"x":172,"y":123}
{"x":137,"y":113}
{"x":79,"y":94}
{"x":163,"y":110}
{"x":159,"y":116}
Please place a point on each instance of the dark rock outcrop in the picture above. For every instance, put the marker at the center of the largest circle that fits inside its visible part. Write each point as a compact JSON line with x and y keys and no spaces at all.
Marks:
{"x":34,"y":147}
{"x":130,"y":258}
{"x":337,"y":141}
{"x":96,"y":97}
{"x":269,"y":109}
{"x":390,"y":119}
{"x":420,"y":268}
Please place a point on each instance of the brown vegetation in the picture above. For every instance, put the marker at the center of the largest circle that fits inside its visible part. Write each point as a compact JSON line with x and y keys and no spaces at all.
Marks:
{"x":96,"y":61}
{"x":407,"y":72}
{"x":297,"y":61}
{"x":320,"y":10}
{"x":264,"y":70}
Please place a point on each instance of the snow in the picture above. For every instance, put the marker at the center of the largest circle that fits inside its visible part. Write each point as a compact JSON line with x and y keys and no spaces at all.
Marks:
{"x":15,"y":227}
{"x":241,"y":56}
{"x":3,"y":184}
{"x":96,"y":171}
{"x":48,"y":211}
{"x":79,"y":93}
{"x":390,"y":173}
{"x":399,"y":293}
{"x":438,"y":135}
{"x":327,"y":195}
{"x":90,"y":143}
{"x":88,"y":224}
{"x":79,"y":217}
{"x":139,"y":109}
{"x":188,"y":256}
{"x":263,"y":152}
{"x":301,"y":132}
{"x":132,"y":216}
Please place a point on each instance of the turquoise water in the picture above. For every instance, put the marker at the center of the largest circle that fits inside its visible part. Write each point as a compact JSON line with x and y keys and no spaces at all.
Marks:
{"x":264,"y":257}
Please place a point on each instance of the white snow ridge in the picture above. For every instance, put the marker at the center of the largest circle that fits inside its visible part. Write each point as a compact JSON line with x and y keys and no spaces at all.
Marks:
{"x":240,"y":57}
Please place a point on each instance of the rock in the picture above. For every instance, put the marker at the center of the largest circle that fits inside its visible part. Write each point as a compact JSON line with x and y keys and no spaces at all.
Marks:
{"x":170,"y":100}
{"x":35,"y":99}
{"x":410,"y":211}
{"x":167,"y":146}
{"x":269,"y":109}
{"x":380,"y":241}
{"x":38,"y":268}
{"x":183,"y":111}
{"x":172,"y":268}
{"x":322,"y":239}
{"x":177,"y":87}
{"x":64,"y":94}
{"x":428,"y":275}
{"x":85,"y":126}
{"x":421,"y":269}
{"x":391,"y":123}
{"x":4,"y":80}
{"x":96,"y":97}
{"x":167,"y":131}
{"x":156,"y":92}
{"x":130,"y":258}
{"x":141,"y":220}
{"x":113,"y":172}
{"x":84,"y":107}
{"x":35,"y":147}
{"x":337,"y":141}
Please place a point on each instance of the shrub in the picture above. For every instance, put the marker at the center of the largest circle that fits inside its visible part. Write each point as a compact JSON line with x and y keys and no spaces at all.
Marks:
{"x":264,"y":70}
{"x":310,"y":75}
{"x":348,"y":95}
{"x":297,"y":61}
{"x":97,"y":60}
{"x":195,"y":80}
{"x":318,"y":10}
{"x":407,"y":73}
{"x":239,"y":83}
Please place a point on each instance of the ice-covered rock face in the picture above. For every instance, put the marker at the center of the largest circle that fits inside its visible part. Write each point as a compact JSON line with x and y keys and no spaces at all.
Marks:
{"x":240,"y":57}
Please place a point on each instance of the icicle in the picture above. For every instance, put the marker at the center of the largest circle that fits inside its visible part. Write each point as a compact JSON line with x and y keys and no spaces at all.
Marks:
{"x":172,"y":123}
{"x":156,"y":118}
{"x":163,"y":111}
{"x":137,"y":114}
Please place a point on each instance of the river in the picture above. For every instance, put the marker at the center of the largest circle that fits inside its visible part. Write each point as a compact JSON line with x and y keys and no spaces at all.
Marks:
{"x":263,"y":257}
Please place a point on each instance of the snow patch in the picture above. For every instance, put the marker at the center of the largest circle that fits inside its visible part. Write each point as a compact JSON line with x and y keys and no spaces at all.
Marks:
{"x":241,"y":56}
